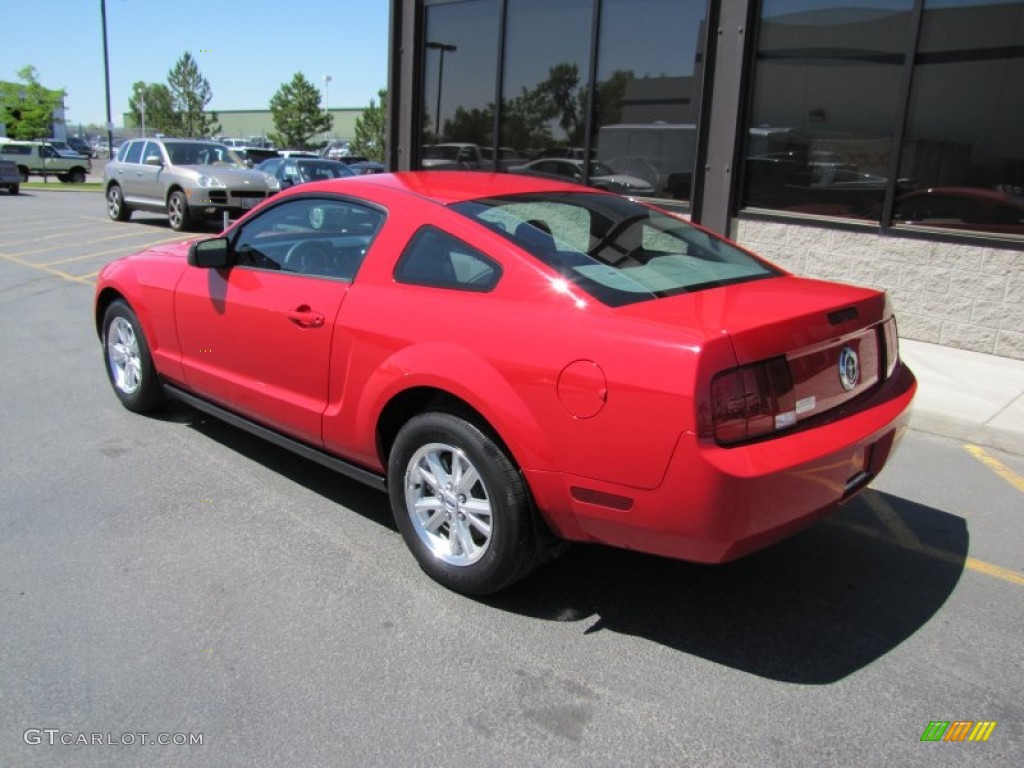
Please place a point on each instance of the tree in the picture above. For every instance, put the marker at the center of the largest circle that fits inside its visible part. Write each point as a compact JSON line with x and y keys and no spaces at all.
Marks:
{"x":152,"y":106}
{"x":27,"y":109}
{"x":371,"y":129}
{"x":297,"y":113}
{"x":190,"y":93}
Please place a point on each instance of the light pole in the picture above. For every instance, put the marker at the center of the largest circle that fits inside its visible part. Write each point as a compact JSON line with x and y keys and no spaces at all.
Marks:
{"x":106,"y":77}
{"x":327,"y":101}
{"x":441,"y":48}
{"x":142,"y":111}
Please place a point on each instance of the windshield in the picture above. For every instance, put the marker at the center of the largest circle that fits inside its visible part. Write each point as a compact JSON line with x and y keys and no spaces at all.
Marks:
{"x":617,"y":250}
{"x":202,"y":153}
{"x":319,"y":170}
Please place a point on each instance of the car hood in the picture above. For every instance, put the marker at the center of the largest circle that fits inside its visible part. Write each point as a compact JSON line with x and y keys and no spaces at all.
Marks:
{"x":232,"y":177}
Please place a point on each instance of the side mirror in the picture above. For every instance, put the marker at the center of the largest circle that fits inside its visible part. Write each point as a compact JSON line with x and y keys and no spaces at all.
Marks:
{"x":209,"y":254}
{"x":151,"y":160}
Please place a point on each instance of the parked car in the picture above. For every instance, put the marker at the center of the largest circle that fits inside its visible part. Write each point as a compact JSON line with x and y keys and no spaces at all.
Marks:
{"x":696,"y":401}
{"x":10,"y":178}
{"x":64,"y":149}
{"x":39,"y":158}
{"x":367,"y":166}
{"x":451,"y":156}
{"x":601,"y":176}
{"x":188,"y":179}
{"x":290,"y":171}
{"x":81,"y":146}
{"x":973,"y":209}
{"x":253,"y":156}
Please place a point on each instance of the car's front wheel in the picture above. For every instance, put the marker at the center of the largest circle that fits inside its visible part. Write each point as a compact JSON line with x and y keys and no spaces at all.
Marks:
{"x":461,"y":504}
{"x":129,"y":362}
{"x":117,"y":209}
{"x":177,"y":211}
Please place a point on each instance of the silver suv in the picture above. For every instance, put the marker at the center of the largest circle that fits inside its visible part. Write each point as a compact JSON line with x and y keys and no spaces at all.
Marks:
{"x":189,"y":179}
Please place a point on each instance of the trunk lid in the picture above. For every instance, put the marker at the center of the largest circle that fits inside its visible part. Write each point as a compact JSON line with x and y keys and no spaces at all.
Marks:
{"x":830,"y":334}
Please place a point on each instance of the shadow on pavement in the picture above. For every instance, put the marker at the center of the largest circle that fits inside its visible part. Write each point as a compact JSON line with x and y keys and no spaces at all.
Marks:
{"x":811,"y":610}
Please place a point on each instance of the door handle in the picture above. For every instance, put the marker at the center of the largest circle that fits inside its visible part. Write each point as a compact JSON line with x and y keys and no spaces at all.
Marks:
{"x":305,"y":317}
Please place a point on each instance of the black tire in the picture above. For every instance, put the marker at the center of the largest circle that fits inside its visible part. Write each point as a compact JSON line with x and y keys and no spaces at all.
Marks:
{"x":508,"y":551}
{"x":77,"y":176}
{"x":117,"y":208}
{"x":178,"y":214}
{"x":63,"y":178}
{"x":24,"y":174}
{"x":14,"y":189}
{"x":128,"y":361}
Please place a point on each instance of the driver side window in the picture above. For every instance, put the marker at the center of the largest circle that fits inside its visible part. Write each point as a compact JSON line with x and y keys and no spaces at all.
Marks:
{"x":310,"y":236}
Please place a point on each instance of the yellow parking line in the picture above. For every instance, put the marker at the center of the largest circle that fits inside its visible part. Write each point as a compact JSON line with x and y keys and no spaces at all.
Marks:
{"x":120,"y":236}
{"x":42,"y":268}
{"x":969,"y":563}
{"x":114,"y":250}
{"x":891,"y":519}
{"x":997,"y":571}
{"x":996,"y":466}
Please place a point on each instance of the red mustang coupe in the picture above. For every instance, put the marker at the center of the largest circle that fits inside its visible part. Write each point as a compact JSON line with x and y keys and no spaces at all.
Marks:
{"x":520,"y":362}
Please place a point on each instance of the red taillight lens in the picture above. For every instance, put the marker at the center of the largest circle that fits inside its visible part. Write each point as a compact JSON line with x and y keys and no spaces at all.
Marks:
{"x":892,"y":345}
{"x":752,"y":400}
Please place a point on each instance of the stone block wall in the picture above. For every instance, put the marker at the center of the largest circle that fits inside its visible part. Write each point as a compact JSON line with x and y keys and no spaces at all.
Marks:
{"x":966,"y":296}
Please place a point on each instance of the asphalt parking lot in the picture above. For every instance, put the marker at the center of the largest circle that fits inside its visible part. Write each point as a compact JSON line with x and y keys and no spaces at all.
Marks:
{"x":172,"y":576}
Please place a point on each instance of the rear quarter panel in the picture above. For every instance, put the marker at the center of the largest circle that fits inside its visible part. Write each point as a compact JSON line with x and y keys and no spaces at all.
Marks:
{"x":502,"y":352}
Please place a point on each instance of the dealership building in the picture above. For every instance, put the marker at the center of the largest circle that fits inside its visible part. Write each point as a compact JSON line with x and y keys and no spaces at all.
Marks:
{"x":879,"y":142}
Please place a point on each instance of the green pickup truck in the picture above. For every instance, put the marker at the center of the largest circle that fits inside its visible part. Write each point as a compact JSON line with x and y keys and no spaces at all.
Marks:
{"x":40,"y":159}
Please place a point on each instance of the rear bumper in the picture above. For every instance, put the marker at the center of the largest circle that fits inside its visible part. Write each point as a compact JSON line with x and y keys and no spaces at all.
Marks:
{"x":717,"y":504}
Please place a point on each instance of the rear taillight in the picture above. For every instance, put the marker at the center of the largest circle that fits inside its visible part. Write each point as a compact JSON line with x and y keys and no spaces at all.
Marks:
{"x":892,"y":345}
{"x":752,"y":401}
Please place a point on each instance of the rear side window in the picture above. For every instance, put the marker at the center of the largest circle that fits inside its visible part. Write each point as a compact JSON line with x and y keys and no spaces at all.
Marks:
{"x":436,"y":259}
{"x":15,"y":149}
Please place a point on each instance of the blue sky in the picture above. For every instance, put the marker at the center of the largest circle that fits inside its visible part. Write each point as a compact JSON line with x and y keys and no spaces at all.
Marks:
{"x":246,"y":50}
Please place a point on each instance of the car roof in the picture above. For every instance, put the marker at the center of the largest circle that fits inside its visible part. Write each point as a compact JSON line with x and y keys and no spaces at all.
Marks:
{"x":447,"y":187}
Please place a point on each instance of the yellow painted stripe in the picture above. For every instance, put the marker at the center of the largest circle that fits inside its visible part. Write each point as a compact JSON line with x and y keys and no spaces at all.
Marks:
{"x":996,"y":571}
{"x":891,"y":519}
{"x":130,"y":249}
{"x":55,"y":272}
{"x":996,"y":466}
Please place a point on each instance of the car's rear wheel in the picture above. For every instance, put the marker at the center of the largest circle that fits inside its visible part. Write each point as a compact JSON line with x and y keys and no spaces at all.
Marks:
{"x":77,"y":176}
{"x":14,"y":189}
{"x":23,"y":172}
{"x":461,"y":504}
{"x":177,"y":211}
{"x":129,"y":362}
{"x":117,"y":208}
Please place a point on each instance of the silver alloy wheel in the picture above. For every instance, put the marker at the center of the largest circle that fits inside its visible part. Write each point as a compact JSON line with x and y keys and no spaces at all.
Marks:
{"x":124,"y":357}
{"x":175,"y":211}
{"x":448,"y":504}
{"x":114,"y":202}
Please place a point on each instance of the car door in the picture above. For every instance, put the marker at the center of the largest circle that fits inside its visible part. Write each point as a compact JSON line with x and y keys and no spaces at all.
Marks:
{"x":148,"y":184}
{"x":256,"y":337}
{"x":127,"y":170}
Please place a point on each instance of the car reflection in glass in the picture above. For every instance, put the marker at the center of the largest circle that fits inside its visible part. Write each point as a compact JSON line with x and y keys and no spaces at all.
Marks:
{"x":292,"y":171}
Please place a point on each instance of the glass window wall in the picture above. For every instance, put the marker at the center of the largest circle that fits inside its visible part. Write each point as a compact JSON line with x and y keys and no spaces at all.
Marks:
{"x":963,"y":150}
{"x":825,"y":104}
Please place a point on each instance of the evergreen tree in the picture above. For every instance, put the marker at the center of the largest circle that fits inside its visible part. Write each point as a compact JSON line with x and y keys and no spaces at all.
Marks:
{"x":371,"y":129}
{"x":190,"y":93}
{"x":297,"y":113}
